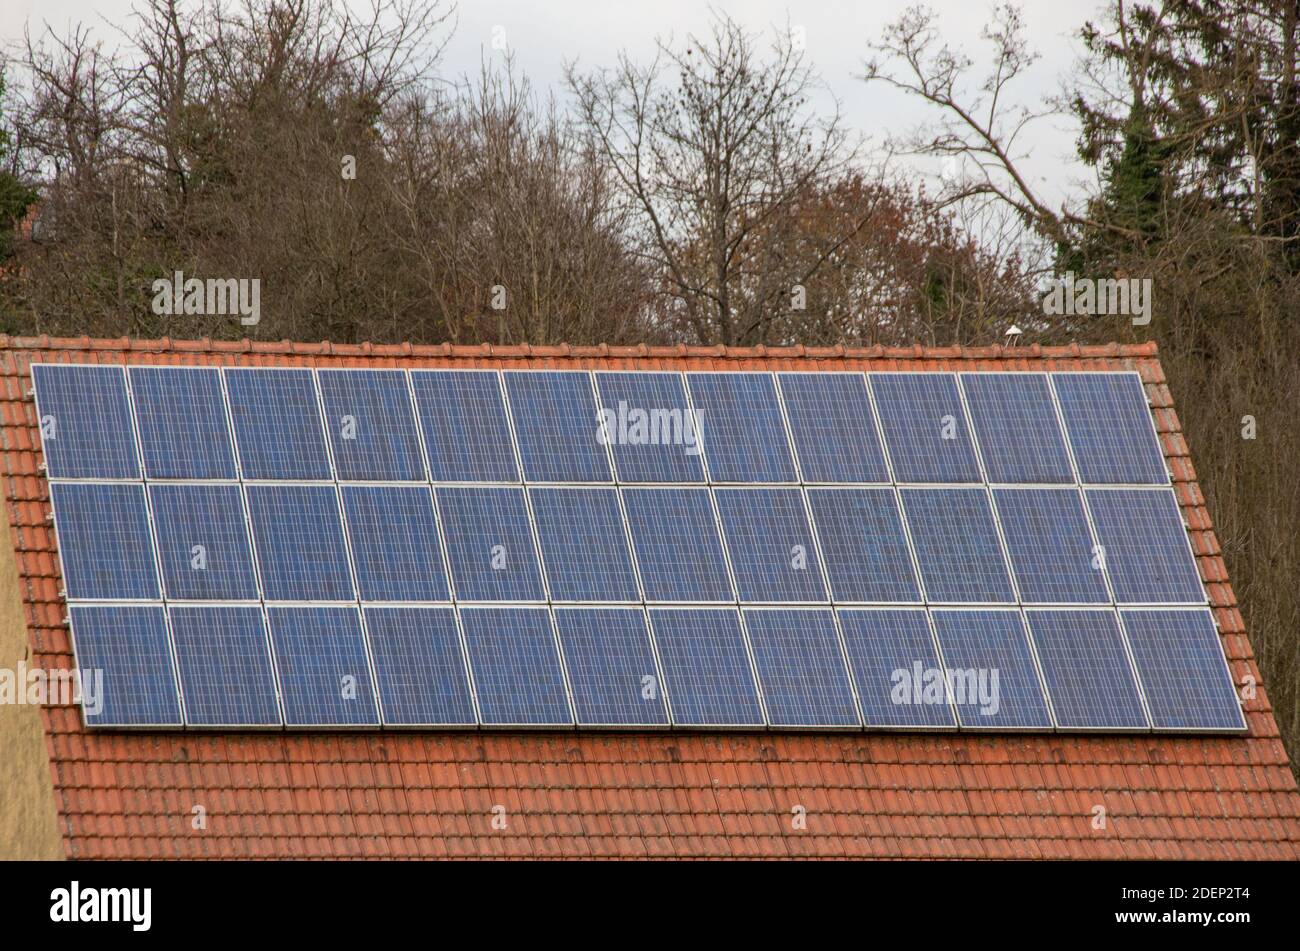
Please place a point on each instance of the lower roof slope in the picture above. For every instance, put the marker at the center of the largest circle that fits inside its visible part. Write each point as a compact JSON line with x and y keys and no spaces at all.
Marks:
{"x":655,"y":795}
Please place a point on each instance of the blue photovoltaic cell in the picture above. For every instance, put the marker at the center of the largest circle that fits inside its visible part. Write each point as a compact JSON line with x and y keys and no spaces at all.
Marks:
{"x":611,"y":667}
{"x":833,"y":427}
{"x":85,"y":422}
{"x":801,"y":668}
{"x":490,"y":544}
{"x":771,"y":545}
{"x":184,"y":432}
{"x":1109,"y":425}
{"x":678,"y":550}
{"x":466,"y":433}
{"x":706,"y":666}
{"x":419,"y":667}
{"x":925,"y":427}
{"x":225,"y":665}
{"x":1050,"y":546}
{"x":895,"y":668}
{"x":1147,"y":553}
{"x":126,"y":649}
{"x":650,"y":427}
{"x":557,"y":427}
{"x":1016,"y":427}
{"x":203,"y":542}
{"x":739,"y":421}
{"x":277,"y":424}
{"x":320,"y":654}
{"x":862,"y":540}
{"x":584,"y":545}
{"x":518,"y":677}
{"x":979,"y":646}
{"x":1180,"y":661}
{"x":957,"y":546}
{"x":104,"y":541}
{"x":1087,"y":670}
{"x":395,"y":545}
{"x":300,"y":547}
{"x":371,"y":425}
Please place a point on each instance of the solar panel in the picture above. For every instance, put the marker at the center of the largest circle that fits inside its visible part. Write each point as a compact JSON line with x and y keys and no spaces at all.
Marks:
{"x":1145,"y":544}
{"x":419,"y":666}
{"x":85,"y":422}
{"x":184,"y":431}
{"x":862,"y":540}
{"x":1052,"y":551}
{"x":395,"y":547}
{"x":833,"y":427}
{"x":298,"y":535}
{"x":1184,"y":675}
{"x":466,"y":432}
{"x":277,"y":424}
{"x":611,"y":667}
{"x":125,"y":664}
{"x":706,"y":667}
{"x":1015,"y":424}
{"x":925,"y":427}
{"x":584,"y":545}
{"x":203,"y":542}
{"x":739,"y":420}
{"x":770,"y":544}
{"x":371,"y":425}
{"x":557,"y":426}
{"x":991,"y":670}
{"x":518,"y":677}
{"x":801,"y":668}
{"x":899,"y":680}
{"x":957,"y":546}
{"x":1109,"y":424}
{"x":678,"y":549}
{"x":1087,"y":670}
{"x":490,"y":544}
{"x":320,"y":655}
{"x":333,"y":548}
{"x":104,"y":541}
{"x":648,"y":423}
{"x":225,"y":666}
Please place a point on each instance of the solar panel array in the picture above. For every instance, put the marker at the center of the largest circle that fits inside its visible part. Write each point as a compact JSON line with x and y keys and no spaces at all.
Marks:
{"x":298,"y":548}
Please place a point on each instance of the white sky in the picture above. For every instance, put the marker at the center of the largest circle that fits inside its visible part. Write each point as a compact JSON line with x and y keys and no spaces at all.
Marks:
{"x":543,"y":36}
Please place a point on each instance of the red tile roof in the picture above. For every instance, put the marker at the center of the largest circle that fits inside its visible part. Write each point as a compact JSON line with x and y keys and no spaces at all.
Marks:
{"x":649,"y":795}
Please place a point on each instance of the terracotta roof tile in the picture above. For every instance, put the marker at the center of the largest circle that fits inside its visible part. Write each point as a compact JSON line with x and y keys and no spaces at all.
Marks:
{"x":654,"y":795}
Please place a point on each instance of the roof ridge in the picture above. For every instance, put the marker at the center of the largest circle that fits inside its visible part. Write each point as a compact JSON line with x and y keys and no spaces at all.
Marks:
{"x":479,"y":351}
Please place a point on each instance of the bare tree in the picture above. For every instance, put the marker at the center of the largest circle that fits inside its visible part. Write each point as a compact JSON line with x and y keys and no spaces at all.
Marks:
{"x":979,"y":126}
{"x":713,"y":145}
{"x":295,"y":142}
{"x":512,"y":223}
{"x":209,"y":140}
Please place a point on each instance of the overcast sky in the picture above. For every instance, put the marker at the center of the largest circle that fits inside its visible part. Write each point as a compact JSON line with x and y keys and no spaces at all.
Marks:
{"x":543,"y":36}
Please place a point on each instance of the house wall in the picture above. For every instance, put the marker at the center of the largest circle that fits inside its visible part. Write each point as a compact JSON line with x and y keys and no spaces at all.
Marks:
{"x":29,"y":823}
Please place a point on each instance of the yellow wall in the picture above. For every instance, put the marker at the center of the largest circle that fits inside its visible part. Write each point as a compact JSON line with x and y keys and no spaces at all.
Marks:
{"x":29,"y":824}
